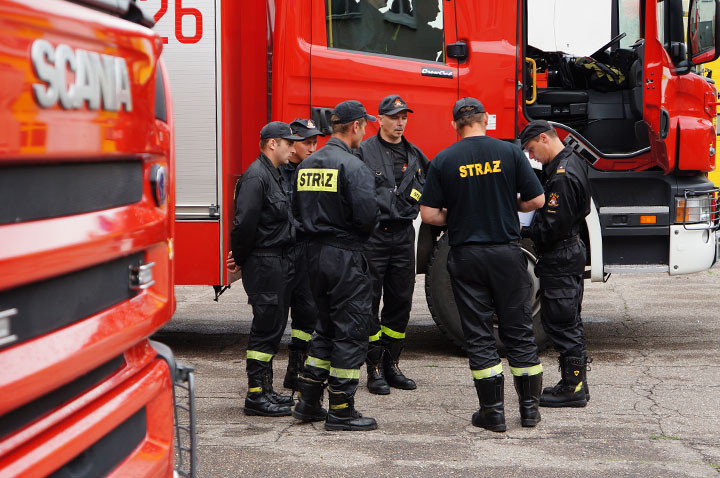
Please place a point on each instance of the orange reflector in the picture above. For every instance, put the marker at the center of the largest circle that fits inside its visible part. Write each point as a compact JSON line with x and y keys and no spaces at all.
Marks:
{"x":648,"y":219}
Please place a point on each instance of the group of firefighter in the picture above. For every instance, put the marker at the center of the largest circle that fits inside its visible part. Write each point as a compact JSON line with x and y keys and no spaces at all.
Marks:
{"x":328,"y":233}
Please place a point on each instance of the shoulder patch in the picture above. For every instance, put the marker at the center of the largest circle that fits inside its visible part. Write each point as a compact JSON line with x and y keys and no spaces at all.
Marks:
{"x":560,"y":170}
{"x":553,"y":200}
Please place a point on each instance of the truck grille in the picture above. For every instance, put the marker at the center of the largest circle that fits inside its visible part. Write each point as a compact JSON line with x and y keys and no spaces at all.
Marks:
{"x":20,"y":417}
{"x":54,"y":303}
{"x":32,"y":192}
{"x":108,"y":452}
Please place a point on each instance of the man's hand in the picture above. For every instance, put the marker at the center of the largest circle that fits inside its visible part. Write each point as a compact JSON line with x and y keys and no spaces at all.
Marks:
{"x":234,"y":269}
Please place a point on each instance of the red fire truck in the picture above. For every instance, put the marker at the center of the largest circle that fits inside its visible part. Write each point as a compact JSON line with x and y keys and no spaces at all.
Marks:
{"x":617,"y":77}
{"x":86,"y":246}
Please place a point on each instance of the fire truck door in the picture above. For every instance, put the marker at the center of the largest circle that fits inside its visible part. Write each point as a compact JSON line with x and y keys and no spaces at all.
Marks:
{"x":365,"y":50}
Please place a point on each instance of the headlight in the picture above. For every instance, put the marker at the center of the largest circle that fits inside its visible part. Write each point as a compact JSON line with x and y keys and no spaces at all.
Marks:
{"x":694,"y":209}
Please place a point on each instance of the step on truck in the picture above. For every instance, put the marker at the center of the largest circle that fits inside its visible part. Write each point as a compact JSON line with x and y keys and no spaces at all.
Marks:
{"x":87,"y":246}
{"x":618,"y":79}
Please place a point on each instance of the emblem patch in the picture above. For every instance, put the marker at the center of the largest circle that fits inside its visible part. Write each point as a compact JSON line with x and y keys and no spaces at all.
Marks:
{"x":553,"y":201}
{"x":398,"y":103}
{"x":415,"y":194}
{"x":310,"y":124}
{"x":404,"y":167}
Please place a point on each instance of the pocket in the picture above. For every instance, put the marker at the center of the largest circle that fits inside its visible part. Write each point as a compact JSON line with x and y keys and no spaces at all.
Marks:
{"x":358,"y":314}
{"x":263,"y":298}
{"x":278,"y":204}
{"x":560,"y":306}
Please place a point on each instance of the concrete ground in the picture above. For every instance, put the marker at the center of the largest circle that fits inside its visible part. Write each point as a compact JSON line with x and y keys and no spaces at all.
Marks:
{"x":654,"y":412}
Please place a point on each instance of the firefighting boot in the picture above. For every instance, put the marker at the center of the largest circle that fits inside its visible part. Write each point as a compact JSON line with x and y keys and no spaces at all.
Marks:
{"x":528,"y":388}
{"x":376,"y":382}
{"x":298,"y":354}
{"x":310,"y":394}
{"x":393,"y":375}
{"x":588,"y":361}
{"x":276,"y":397}
{"x":491,"y":395}
{"x":259,"y":402}
{"x":343,"y":416}
{"x":570,"y":391}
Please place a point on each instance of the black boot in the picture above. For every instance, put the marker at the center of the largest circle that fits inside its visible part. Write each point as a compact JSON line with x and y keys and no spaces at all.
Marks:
{"x":393,"y":375}
{"x":491,"y":394}
{"x":259,"y":402}
{"x":528,"y":388}
{"x":588,"y":361}
{"x":376,"y":376}
{"x":343,"y":416}
{"x":276,"y":397}
{"x":310,"y":394}
{"x":298,"y":355}
{"x":570,"y":391}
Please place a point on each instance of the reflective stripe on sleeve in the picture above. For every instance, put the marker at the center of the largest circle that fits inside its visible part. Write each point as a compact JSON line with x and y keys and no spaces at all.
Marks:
{"x":487,"y":372}
{"x":376,"y":337}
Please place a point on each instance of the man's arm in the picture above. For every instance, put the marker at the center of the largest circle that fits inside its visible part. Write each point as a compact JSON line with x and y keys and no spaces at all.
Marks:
{"x":535,"y":203}
{"x":433,"y":216}
{"x":248,"y":206}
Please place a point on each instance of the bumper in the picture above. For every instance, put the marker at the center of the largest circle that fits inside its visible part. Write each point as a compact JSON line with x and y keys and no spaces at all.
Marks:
{"x":692,"y":250}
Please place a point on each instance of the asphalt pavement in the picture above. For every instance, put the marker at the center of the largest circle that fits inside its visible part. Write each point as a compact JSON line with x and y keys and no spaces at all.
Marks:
{"x":654,"y":411}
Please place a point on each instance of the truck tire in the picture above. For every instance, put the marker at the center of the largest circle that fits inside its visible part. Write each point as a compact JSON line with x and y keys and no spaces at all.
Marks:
{"x":441,"y":300}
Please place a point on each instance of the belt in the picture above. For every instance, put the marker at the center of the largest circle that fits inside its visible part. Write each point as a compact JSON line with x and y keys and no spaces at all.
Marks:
{"x":271,"y":251}
{"x":338,"y":242}
{"x":561,"y":244}
{"x":394,"y":226}
{"x":488,"y":244}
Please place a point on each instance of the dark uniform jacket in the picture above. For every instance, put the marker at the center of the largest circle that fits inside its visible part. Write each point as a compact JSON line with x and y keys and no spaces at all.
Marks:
{"x":396,"y":201}
{"x":262,"y":211}
{"x":335,"y":195}
{"x":289,"y":175}
{"x":567,"y":201}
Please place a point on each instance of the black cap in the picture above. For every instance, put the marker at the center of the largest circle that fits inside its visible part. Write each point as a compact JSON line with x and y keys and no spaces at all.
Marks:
{"x":464,"y":102}
{"x":305,"y":128}
{"x":351,"y":110}
{"x":278,"y":129}
{"x":393,"y":104}
{"x":533,"y":129}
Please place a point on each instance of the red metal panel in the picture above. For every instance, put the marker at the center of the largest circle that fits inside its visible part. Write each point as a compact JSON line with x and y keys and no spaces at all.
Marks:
{"x":196,"y":253}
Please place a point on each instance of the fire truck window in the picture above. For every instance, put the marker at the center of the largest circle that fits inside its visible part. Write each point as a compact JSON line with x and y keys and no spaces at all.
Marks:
{"x":406,"y":28}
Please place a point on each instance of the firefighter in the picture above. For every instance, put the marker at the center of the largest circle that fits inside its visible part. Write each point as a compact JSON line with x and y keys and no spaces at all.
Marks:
{"x":399,"y":168}
{"x":302,"y":305}
{"x":335,"y":204}
{"x":261,"y":238}
{"x":561,"y":259}
{"x":476,"y":187}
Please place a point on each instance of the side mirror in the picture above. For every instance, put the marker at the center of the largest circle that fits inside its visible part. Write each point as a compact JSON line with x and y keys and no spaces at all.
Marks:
{"x":703,"y":31}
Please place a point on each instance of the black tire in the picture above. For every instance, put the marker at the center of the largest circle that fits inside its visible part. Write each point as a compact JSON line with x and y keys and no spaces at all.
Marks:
{"x":441,"y":300}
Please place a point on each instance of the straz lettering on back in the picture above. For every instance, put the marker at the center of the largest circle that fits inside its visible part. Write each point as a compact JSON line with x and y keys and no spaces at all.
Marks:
{"x":317,"y":180}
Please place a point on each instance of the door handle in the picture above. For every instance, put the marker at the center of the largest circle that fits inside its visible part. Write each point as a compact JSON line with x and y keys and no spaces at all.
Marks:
{"x":664,"y":123}
{"x":457,"y":50}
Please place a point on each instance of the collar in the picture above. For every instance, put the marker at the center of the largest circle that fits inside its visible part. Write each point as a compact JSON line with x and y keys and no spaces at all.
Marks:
{"x":269,"y":165}
{"x":553,"y":165}
{"x":339,"y":143}
{"x":390,"y":145}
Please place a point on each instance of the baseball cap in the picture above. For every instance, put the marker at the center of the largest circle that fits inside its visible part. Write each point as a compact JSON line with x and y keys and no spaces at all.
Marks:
{"x":393,"y":104}
{"x":305,"y":128}
{"x":351,"y":110}
{"x":278,"y":129}
{"x":464,"y":102}
{"x":533,"y":129}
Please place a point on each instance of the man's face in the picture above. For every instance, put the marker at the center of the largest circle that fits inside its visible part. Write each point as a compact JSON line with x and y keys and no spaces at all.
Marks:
{"x":393,"y":126}
{"x":284,"y":150}
{"x":539,"y":149}
{"x":358,"y":133}
{"x":304,"y":148}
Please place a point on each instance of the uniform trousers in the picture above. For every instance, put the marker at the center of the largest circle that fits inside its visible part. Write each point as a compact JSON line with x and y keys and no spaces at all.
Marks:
{"x":487,"y":280}
{"x":341,"y":287}
{"x":265,"y":277}
{"x":303,"y":312}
